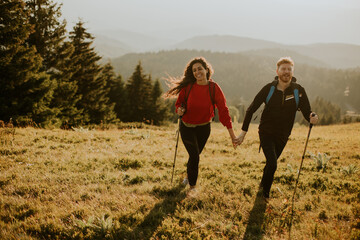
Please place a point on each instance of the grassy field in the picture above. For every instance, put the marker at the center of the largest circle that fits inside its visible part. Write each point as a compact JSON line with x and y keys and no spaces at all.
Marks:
{"x":115,"y":184}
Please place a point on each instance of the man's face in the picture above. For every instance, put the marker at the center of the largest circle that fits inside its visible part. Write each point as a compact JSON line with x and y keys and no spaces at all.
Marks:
{"x":285,"y":72}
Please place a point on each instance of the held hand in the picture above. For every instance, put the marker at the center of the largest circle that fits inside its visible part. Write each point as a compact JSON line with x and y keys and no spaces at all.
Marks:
{"x":241,"y":137}
{"x":314,"y":118}
{"x":233,"y":137}
{"x":180,"y":111}
{"x":234,"y":142}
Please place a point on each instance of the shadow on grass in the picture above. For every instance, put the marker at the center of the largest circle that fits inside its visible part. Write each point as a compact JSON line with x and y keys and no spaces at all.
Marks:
{"x":254,"y":229}
{"x":159,"y":212}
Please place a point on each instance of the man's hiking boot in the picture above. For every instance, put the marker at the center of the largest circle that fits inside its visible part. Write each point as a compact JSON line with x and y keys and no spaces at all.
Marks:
{"x":265,"y":196}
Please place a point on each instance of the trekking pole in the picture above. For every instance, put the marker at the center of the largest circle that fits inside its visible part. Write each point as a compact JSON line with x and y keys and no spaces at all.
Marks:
{"x":297,"y":179}
{"x":177,"y":141}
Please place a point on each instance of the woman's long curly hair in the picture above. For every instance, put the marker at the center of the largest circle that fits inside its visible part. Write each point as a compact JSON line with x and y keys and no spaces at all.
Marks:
{"x":176,"y":85}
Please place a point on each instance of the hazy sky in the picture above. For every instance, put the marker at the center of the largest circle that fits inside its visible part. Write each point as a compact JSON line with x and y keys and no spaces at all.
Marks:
{"x":283,"y":21}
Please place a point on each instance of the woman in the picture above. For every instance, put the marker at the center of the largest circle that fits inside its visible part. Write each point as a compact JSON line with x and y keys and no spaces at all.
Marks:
{"x":198,"y":95}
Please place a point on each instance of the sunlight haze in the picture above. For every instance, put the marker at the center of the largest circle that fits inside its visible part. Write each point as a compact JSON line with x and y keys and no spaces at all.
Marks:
{"x":287,"y":22}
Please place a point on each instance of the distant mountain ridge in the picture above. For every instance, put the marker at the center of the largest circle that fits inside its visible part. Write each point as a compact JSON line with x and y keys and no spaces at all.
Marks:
{"x":110,"y":48}
{"x":224,"y":43}
{"x":332,"y":55}
{"x":137,"y":41}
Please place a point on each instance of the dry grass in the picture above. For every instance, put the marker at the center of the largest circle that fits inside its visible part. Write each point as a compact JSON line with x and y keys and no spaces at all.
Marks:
{"x":115,"y":184}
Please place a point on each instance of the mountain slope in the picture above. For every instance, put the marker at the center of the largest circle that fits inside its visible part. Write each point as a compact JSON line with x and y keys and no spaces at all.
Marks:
{"x":110,"y":48}
{"x":137,"y":41}
{"x":242,"y":75}
{"x":276,"y":53}
{"x":337,"y":55}
{"x":224,"y":43}
{"x":333,"y":55}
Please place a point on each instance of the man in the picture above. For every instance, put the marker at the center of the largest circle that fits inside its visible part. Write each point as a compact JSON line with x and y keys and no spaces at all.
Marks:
{"x":282,"y":98}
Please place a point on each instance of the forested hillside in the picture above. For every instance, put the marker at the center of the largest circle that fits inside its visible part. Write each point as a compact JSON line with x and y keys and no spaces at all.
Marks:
{"x":242,"y":75}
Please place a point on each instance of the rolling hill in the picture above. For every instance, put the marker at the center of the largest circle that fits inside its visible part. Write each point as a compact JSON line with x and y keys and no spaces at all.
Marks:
{"x":110,"y":48}
{"x":332,"y":55}
{"x":242,"y":75}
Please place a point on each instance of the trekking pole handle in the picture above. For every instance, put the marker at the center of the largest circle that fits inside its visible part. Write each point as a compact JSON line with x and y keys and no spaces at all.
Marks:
{"x":313,"y":115}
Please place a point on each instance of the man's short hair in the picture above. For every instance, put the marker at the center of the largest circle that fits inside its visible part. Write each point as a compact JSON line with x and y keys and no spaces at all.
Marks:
{"x":283,"y":60}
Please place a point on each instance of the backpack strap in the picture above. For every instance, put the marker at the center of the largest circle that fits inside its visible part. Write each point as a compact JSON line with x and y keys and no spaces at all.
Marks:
{"x":271,"y":92}
{"x":187,"y":95}
{"x":296,"y":95}
{"x":212,"y":96}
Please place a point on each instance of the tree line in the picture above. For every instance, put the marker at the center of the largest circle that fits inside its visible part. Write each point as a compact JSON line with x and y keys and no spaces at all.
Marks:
{"x":53,"y":77}
{"x":242,"y":75}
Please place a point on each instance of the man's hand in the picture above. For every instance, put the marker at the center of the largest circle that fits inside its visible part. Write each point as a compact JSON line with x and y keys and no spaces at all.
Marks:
{"x":240,"y":138}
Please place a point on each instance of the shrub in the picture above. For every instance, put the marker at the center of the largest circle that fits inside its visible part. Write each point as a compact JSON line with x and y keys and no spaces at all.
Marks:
{"x":349,"y":170}
{"x":125,"y":164}
{"x":322,"y":215}
{"x":321,"y":161}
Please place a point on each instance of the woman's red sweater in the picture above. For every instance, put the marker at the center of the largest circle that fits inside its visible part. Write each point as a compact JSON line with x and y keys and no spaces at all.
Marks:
{"x":199,"y":107}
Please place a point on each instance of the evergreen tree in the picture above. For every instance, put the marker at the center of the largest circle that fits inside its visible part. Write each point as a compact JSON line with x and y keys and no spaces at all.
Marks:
{"x":158,"y":105}
{"x":49,"y":37}
{"x":65,"y":94}
{"x":49,"y":33}
{"x":91,"y":84}
{"x":170,"y":106}
{"x":156,"y":91}
{"x":139,"y":90}
{"x":25,"y":91}
{"x":328,"y":112}
{"x":108,"y":76}
{"x":117,"y":93}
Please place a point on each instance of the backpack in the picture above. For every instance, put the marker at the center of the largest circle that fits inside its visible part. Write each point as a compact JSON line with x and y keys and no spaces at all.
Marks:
{"x":212,"y":96}
{"x":272,"y":89}
{"x":271,"y":92}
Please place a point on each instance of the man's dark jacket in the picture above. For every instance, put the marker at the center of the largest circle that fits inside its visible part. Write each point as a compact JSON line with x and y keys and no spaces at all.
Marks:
{"x":279,"y":113}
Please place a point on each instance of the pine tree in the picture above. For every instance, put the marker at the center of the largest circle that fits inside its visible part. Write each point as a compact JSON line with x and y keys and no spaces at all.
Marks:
{"x":91,"y":84}
{"x":108,"y":76}
{"x":117,"y":93}
{"x":328,"y":112}
{"x":158,"y":105}
{"x":65,"y":94}
{"x":139,"y":90}
{"x":25,"y":91}
{"x":49,"y":33}
{"x":156,"y":91}
{"x":49,"y":38}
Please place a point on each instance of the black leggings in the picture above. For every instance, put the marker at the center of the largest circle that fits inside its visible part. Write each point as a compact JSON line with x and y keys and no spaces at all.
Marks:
{"x":194,"y":139}
{"x":272,"y":147}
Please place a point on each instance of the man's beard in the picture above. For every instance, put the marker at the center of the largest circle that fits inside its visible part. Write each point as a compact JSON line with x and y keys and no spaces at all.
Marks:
{"x":285,"y":78}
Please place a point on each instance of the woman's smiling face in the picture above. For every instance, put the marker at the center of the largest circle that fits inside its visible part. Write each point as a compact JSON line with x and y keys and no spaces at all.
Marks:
{"x":199,"y":72}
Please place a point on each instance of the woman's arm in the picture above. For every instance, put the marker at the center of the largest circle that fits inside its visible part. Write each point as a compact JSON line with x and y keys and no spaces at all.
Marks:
{"x":233,"y":137}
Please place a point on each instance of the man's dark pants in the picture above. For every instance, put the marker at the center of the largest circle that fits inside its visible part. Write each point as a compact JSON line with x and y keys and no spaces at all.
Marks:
{"x":272,"y":147}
